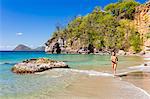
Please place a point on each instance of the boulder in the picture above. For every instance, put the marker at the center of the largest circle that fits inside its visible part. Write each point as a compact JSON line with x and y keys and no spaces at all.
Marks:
{"x":121,"y":52}
{"x":147,"y":43}
{"x":142,"y":53}
{"x":37,"y":65}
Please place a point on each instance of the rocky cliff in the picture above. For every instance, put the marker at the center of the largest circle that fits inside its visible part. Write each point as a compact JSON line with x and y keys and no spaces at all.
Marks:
{"x":74,"y":45}
{"x":142,"y":22}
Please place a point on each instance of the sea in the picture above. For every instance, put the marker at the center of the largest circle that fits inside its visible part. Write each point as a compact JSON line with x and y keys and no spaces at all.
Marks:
{"x":89,"y":77}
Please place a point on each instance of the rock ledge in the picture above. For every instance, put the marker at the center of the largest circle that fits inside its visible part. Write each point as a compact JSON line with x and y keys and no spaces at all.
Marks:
{"x":37,"y":65}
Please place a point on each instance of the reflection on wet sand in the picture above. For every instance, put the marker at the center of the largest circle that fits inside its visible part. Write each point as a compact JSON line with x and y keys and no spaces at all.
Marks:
{"x":140,"y":79}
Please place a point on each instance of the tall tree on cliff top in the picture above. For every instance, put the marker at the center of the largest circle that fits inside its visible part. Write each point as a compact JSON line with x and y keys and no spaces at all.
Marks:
{"x":110,"y":29}
{"x":123,"y":10}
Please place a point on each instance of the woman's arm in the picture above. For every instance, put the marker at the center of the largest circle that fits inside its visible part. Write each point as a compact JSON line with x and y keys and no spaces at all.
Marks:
{"x":116,"y":59}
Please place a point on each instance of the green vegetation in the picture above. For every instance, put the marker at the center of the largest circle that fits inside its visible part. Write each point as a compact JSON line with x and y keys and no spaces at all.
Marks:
{"x":124,"y":9}
{"x":109,"y":29}
{"x":148,"y":35}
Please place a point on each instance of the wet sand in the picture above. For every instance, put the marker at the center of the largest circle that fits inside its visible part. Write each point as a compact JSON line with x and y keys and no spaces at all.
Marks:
{"x":139,"y":79}
{"x":102,"y":88}
{"x":98,"y":85}
{"x":85,"y":80}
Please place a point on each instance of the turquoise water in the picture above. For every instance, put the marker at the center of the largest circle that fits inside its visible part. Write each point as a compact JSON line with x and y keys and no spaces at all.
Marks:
{"x":16,"y":86}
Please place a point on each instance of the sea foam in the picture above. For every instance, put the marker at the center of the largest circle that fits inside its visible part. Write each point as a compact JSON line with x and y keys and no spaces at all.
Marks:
{"x":87,"y":72}
{"x":8,"y":63}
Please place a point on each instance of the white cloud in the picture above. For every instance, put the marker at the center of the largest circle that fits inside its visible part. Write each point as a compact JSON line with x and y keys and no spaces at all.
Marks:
{"x":19,"y":34}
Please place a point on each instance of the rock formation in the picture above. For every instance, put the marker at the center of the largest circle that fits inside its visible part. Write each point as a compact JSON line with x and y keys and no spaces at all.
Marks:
{"x":77,"y":44}
{"x":58,"y":45}
{"x":37,"y":65}
{"x":54,"y":45}
{"x":142,"y":21}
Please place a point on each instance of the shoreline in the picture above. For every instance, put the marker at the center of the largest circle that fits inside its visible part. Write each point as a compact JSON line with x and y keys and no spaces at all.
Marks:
{"x":141,"y":76}
{"x":88,"y":83}
{"x":91,"y":83}
{"x":145,"y":90}
{"x":99,"y":53}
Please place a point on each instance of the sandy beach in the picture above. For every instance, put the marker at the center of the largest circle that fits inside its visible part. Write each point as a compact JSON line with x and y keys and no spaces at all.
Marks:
{"x":102,"y":88}
{"x":89,"y":77}
{"x":98,"y":85}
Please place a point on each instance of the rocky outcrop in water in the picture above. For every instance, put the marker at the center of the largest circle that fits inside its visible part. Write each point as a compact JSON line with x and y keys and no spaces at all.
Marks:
{"x":37,"y":65}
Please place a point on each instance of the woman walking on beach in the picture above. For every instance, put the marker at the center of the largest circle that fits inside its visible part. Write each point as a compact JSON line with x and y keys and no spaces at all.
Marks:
{"x":114,"y":60}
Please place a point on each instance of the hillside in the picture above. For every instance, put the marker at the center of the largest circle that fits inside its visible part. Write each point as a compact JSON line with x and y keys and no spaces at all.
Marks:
{"x":142,"y":21}
{"x":120,"y":26}
{"x":22,"y":47}
{"x":41,"y":48}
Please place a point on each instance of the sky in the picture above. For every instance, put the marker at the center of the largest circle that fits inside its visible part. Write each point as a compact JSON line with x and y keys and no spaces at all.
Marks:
{"x":32,"y":22}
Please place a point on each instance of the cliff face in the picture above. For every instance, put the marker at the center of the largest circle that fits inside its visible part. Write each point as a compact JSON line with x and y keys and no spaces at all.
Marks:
{"x":142,"y":21}
{"x":74,"y":44}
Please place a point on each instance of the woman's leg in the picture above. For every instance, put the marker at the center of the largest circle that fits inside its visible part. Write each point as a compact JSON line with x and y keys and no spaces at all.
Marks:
{"x":115,"y":66}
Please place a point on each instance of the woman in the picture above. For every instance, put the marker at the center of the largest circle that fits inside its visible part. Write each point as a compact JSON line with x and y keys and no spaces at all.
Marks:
{"x":114,"y":61}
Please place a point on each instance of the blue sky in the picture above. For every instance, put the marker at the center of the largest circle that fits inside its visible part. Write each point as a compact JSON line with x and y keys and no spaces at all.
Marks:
{"x":32,"y":22}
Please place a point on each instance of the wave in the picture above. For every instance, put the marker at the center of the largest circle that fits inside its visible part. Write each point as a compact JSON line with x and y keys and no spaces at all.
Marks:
{"x":7,"y":63}
{"x":145,"y":92}
{"x":141,"y":92}
{"x":88,"y":72}
{"x":141,"y":67}
{"x":146,"y":58}
{"x":146,"y":95}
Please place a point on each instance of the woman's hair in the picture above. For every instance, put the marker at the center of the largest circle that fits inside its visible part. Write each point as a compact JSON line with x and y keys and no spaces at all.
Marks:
{"x":114,"y":53}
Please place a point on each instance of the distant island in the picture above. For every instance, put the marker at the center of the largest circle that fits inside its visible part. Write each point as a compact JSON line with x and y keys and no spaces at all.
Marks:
{"x":22,"y":47}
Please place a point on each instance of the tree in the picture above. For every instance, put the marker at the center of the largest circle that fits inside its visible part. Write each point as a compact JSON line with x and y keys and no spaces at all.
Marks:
{"x":123,"y":10}
{"x":110,"y":29}
{"x":135,"y":41}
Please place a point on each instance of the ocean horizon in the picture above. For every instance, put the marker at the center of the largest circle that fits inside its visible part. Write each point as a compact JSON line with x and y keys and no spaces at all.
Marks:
{"x":75,"y":49}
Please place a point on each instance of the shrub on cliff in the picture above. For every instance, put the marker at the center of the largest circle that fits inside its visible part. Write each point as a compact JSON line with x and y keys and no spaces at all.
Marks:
{"x":124,"y":9}
{"x":109,"y":29}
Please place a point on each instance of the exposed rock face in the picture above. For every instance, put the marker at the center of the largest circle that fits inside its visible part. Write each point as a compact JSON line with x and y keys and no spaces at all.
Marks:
{"x":49,"y":45}
{"x":58,"y":45}
{"x":142,"y":21}
{"x":90,"y":48}
{"x":37,"y":65}
{"x":54,"y":45}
